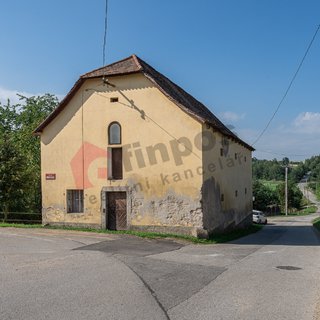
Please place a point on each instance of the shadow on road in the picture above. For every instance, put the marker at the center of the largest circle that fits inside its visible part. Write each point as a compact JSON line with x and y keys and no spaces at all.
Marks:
{"x":134,"y":246}
{"x":170,"y":283}
{"x":283,"y":236}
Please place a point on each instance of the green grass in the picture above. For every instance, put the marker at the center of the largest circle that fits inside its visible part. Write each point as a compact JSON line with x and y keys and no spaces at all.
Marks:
{"x":316,"y":223}
{"x":218,"y":238}
{"x":272,"y":184}
{"x":314,"y":187}
{"x":19,"y":225}
{"x":304,"y":212}
{"x":307,"y":211}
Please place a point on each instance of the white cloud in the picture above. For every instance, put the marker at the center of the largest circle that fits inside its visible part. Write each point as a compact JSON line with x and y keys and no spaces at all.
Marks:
{"x":231,"y":116}
{"x":308,"y":122}
{"x":297,"y":140}
{"x":12,"y":95}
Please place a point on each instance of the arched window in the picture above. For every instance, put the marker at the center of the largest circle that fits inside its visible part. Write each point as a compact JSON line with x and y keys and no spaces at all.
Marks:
{"x":114,"y":133}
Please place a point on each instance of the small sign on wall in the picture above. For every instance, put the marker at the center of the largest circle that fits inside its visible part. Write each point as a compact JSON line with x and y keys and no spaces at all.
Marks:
{"x":50,"y":176}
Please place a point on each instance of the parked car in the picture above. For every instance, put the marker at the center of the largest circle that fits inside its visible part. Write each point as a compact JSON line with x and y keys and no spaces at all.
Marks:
{"x":259,"y":217}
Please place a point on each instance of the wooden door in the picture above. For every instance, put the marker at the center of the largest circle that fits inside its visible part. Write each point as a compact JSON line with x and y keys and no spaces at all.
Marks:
{"x":117,"y":210}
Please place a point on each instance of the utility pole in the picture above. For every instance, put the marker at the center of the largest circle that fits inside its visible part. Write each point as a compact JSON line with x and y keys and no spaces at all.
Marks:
{"x":286,"y":191}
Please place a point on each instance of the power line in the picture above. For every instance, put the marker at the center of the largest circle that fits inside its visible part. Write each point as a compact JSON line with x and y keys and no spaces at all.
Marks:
{"x":283,"y":154}
{"x":105,"y":35}
{"x":288,"y":88}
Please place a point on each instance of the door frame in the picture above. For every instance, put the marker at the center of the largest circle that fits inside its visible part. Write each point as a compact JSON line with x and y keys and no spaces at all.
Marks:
{"x":104,"y":204}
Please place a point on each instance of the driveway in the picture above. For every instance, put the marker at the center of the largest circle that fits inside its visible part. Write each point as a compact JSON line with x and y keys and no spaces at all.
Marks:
{"x":54,"y":274}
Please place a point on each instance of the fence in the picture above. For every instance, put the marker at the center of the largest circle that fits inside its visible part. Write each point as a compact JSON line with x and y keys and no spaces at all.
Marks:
{"x":21,"y":217}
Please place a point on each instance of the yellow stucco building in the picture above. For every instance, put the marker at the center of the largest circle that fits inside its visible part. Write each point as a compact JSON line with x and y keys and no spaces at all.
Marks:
{"x":129,"y":149}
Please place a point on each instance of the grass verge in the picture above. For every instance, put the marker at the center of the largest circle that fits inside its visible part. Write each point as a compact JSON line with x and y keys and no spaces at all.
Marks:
{"x":271,"y":184}
{"x":303,"y":212}
{"x":19,"y":225}
{"x":316,"y":223}
{"x":218,"y":238}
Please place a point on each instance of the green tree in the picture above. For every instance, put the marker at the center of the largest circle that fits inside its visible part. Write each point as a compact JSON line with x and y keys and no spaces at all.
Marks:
{"x":14,"y":178}
{"x":20,"y":153}
{"x":263,"y":196}
{"x":297,"y":172}
{"x":33,"y":111}
{"x":13,"y":175}
{"x":285,"y":161}
{"x":295,"y":196}
{"x":267,"y":169}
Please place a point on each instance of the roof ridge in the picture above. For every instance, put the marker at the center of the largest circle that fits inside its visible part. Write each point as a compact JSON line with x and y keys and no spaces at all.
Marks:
{"x":136,"y":60}
{"x":206,"y":109}
{"x":206,"y":112}
{"x":182,"y":98}
{"x":108,"y":65}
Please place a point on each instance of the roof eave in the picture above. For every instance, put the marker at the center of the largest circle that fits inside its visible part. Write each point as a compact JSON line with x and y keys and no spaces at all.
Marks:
{"x":110,"y":75}
{"x":197,"y":117}
{"x":60,"y":107}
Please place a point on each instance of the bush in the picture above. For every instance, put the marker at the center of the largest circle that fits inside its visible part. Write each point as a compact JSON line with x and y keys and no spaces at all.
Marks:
{"x":267,"y":195}
{"x":295,"y":196}
{"x":263,"y":196}
{"x":21,"y":217}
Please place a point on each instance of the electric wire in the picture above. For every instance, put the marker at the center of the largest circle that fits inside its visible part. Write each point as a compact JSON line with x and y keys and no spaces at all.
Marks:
{"x":105,"y":35}
{"x":283,"y":154}
{"x":131,"y":105}
{"x":288,"y":88}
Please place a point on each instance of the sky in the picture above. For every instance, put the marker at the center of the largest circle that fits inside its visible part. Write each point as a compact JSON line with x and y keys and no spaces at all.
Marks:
{"x":235,"y":56}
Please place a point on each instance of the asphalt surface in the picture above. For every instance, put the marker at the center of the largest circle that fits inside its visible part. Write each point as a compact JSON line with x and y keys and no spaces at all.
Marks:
{"x":55,"y":274}
{"x":303,"y":186}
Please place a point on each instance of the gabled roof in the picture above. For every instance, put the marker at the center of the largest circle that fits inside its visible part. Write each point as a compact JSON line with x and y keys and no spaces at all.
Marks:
{"x":181,"y":98}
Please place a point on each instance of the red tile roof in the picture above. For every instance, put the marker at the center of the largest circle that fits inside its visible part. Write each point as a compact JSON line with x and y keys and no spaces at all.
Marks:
{"x":181,"y":98}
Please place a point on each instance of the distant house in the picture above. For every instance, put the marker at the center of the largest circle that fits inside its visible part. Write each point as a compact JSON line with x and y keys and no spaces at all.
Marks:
{"x":129,"y":149}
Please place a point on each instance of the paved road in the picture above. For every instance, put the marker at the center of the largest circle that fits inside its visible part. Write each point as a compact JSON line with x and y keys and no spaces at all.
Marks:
{"x":54,"y":274}
{"x":303,"y":186}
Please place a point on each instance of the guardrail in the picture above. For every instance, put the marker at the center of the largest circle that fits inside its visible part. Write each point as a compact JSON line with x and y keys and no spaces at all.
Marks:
{"x":21,"y":217}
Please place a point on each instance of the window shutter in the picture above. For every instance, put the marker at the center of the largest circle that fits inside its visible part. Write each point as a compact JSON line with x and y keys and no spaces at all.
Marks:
{"x":69,"y":200}
{"x":116,"y":163}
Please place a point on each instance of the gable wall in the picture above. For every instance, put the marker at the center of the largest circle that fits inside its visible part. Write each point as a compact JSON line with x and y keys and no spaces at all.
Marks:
{"x":165,"y":193}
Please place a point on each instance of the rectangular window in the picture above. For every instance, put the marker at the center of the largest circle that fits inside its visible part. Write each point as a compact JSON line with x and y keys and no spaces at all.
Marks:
{"x":74,"y":201}
{"x":221,"y":152}
{"x":235,"y":156}
{"x":114,"y":99}
{"x":115,"y":164}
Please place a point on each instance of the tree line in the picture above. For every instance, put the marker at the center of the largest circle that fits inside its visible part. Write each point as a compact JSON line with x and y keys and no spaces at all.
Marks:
{"x":267,"y":195}
{"x":20,"y":176}
{"x":313,"y":167}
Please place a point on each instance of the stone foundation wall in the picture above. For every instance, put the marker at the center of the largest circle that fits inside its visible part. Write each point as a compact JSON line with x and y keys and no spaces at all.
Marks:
{"x":189,"y":231}
{"x":58,"y":216}
{"x":172,"y":210}
{"x":75,"y":225}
